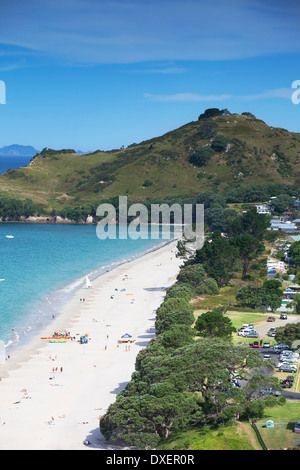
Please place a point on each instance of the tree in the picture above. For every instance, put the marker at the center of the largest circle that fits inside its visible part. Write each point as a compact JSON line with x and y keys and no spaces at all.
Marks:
{"x":249,"y":248}
{"x":208,"y":286}
{"x":191,"y":275}
{"x":294,"y":253}
{"x":288,"y":334}
{"x":296,"y":303}
{"x":175,"y":304}
{"x":214,"y":324}
{"x":177,"y":336}
{"x":182,"y":387}
{"x":266,"y":296}
{"x":180,"y":290}
{"x":274,"y":286}
{"x":271,"y":300}
{"x":219,"y":258}
{"x":251,"y":223}
{"x":283,"y":202}
{"x":176,"y":317}
{"x":249,"y":296}
{"x":211,"y":112}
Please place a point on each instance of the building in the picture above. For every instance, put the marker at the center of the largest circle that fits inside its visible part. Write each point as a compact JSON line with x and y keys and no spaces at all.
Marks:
{"x":297,"y":222}
{"x":284,"y":226}
{"x":275,"y":266}
{"x":263,"y":209}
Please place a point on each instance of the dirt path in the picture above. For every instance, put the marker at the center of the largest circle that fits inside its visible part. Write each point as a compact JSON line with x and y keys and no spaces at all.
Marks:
{"x":247,"y":431}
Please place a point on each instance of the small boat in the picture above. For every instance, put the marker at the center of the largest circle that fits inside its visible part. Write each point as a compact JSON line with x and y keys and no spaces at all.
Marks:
{"x":87,"y":282}
{"x":9,"y":236}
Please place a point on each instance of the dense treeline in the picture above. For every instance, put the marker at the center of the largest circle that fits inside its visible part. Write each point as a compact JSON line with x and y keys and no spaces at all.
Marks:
{"x":183,"y":377}
{"x":217,"y":214}
{"x":12,"y":209}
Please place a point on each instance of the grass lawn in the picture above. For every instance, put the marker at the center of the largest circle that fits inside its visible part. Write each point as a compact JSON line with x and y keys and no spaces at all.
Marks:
{"x":238,"y":319}
{"x":281,"y":435}
{"x":239,"y":436}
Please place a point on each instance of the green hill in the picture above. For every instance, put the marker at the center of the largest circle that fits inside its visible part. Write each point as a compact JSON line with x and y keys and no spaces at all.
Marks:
{"x":246,"y":151}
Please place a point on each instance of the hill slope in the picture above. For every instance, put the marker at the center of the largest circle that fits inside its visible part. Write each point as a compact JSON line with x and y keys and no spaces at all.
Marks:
{"x":160,"y":167}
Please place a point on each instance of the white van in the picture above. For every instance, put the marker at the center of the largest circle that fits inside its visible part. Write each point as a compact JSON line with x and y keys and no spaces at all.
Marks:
{"x":244,"y":332}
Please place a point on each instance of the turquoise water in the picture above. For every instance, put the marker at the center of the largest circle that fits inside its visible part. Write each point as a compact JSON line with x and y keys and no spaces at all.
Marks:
{"x":44,"y":264}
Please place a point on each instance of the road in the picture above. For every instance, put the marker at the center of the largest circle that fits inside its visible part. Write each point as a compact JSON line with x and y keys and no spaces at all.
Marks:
{"x":262,"y":330}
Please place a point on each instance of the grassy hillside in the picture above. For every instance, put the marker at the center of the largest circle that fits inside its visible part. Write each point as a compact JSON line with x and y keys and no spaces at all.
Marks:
{"x":160,"y":167}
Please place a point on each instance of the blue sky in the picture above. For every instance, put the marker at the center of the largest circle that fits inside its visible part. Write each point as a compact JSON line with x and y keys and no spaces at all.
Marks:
{"x":99,"y":74}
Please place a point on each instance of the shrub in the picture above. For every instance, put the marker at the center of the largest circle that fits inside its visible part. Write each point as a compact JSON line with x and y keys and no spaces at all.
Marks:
{"x":201,"y":156}
{"x":207,"y":130}
{"x":220,"y":143}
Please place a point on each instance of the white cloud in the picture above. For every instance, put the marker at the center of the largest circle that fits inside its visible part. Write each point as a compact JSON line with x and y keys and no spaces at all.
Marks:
{"x":186,"y":97}
{"x":129,"y":31}
{"x":285,"y":93}
{"x":276,"y":93}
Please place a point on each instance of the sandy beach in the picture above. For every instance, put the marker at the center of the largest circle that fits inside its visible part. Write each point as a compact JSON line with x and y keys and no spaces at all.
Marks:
{"x":52,"y":395}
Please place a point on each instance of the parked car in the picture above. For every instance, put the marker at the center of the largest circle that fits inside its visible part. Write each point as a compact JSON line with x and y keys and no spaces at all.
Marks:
{"x":252,"y":334}
{"x":297,"y":427}
{"x":295,"y":357}
{"x":271,"y":319}
{"x":255,"y":344}
{"x":289,"y":360}
{"x":287,"y":368}
{"x":266,"y":344}
{"x":243,"y":332}
{"x":280,"y":347}
{"x":288,"y":352}
{"x":270,"y":391}
{"x":283,"y":316}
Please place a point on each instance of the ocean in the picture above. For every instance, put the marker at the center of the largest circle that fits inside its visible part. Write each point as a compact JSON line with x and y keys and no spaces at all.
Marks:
{"x":11,"y":163}
{"x":43,"y":265}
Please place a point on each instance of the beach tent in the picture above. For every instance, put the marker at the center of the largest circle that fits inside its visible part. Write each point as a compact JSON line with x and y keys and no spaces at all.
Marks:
{"x":127,"y":338}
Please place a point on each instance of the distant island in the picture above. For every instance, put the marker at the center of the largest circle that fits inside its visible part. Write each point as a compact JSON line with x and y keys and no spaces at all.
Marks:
{"x":16,"y":150}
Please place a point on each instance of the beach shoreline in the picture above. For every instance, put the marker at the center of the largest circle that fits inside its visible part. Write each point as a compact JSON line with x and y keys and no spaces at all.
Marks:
{"x":51,"y":305}
{"x":53,"y":395}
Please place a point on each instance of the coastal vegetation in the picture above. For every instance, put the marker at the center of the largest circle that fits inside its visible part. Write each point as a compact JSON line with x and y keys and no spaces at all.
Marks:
{"x":235,"y":157}
{"x":183,"y":378}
